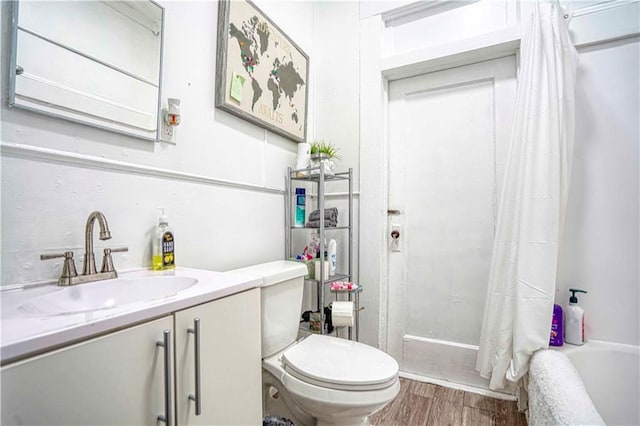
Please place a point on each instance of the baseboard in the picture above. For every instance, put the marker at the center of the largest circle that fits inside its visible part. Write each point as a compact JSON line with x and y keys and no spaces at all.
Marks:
{"x":452,"y":385}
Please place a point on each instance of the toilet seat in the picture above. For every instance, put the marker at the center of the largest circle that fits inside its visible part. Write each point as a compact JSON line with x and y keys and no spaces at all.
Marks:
{"x":340,"y":364}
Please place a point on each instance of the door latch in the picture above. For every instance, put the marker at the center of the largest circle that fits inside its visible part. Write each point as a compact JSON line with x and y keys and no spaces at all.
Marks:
{"x":395,"y":237}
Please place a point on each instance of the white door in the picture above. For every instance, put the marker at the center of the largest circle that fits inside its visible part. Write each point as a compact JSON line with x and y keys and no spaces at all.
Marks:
{"x":448,"y":136}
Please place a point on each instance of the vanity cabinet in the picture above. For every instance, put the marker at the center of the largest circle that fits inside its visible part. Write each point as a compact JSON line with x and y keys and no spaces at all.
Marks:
{"x":112,"y":379}
{"x":119,"y":378}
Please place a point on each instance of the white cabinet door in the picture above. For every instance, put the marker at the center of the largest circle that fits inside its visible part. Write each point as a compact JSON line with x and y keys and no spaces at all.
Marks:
{"x":116,"y":379}
{"x":230,"y":362}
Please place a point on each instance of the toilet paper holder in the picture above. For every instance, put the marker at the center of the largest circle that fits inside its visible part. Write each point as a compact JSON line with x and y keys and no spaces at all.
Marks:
{"x":352,"y":290}
{"x":346,"y":314}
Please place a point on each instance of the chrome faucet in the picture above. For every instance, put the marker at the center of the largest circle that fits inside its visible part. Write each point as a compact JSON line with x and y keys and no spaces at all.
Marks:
{"x":69,"y":275}
{"x":89,"y":260}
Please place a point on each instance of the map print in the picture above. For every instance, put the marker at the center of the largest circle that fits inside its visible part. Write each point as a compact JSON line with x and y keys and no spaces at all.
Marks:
{"x":270,"y":69}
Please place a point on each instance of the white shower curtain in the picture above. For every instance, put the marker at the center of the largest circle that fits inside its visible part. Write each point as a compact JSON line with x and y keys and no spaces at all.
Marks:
{"x":522,"y":280}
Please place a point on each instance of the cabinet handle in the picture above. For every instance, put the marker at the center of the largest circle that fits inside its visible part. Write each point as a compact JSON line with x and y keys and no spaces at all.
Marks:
{"x":197,"y":398}
{"x":166,"y":344}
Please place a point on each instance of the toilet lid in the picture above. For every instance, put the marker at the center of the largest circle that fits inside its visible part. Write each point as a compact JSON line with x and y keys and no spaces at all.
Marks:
{"x":340,"y":364}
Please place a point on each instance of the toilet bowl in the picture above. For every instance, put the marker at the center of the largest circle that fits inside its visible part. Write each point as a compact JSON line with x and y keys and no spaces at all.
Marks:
{"x":335,"y":381}
{"x":319,"y":379}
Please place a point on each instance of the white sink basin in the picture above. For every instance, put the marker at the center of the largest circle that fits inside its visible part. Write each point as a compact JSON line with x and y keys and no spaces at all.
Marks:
{"x":106,"y":295}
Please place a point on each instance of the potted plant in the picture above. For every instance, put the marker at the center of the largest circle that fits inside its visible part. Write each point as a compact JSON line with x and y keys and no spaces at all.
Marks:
{"x":323,"y":153}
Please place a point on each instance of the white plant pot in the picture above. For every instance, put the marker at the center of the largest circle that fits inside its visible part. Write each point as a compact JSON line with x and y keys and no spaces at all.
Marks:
{"x":322,"y":160}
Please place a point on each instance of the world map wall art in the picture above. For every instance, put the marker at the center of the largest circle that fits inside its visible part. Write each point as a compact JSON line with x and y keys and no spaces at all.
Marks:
{"x":261,"y":74}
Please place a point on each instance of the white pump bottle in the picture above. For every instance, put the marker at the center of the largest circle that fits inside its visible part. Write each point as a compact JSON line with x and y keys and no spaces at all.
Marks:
{"x":574,"y":320}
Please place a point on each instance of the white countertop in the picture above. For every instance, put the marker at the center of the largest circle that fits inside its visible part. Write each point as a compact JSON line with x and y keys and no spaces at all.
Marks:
{"x":27,"y":333}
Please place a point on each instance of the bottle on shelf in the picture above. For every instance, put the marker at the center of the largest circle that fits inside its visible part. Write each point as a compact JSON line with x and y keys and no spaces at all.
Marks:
{"x":332,"y":257}
{"x":301,"y":201}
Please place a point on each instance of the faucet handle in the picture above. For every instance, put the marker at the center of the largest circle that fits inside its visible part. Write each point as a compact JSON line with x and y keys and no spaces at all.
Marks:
{"x":68,"y":268}
{"x":116,"y":250}
{"x":66,"y":255}
{"x":107,"y":261}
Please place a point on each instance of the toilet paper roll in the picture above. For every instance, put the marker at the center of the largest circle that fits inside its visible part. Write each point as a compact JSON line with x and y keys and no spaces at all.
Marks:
{"x":325,"y":269}
{"x":310,"y":296}
{"x":342,"y":314}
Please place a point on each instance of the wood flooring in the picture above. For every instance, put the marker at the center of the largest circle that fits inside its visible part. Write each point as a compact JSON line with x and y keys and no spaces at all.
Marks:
{"x":421,"y":403}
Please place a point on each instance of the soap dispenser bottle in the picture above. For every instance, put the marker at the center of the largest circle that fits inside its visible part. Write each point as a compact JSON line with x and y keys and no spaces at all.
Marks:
{"x":574,"y":323}
{"x":163,"y":246}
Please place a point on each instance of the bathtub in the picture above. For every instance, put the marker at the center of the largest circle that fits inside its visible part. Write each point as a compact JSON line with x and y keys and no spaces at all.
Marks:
{"x":610,"y":374}
{"x":594,"y":384}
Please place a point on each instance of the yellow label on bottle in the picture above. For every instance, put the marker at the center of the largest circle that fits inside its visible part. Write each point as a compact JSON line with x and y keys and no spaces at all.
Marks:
{"x":168,"y":254}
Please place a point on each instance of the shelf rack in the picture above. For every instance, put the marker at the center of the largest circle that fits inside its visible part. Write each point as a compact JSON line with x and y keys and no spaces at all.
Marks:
{"x":318,"y":176}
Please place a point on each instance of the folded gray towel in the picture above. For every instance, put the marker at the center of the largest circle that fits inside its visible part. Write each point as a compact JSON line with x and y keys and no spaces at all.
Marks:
{"x":330,"y":213}
{"x":327,"y":224}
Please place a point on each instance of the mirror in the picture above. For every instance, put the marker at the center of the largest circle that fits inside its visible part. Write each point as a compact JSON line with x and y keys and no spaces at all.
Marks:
{"x":94,"y":62}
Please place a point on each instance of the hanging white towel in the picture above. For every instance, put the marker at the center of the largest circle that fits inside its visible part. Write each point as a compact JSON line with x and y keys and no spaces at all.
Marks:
{"x":522,"y":279}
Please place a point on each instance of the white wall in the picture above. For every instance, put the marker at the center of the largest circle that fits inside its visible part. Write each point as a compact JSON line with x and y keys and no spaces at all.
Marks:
{"x":337,"y":113}
{"x":337,"y":80}
{"x":600,"y":246}
{"x":54,"y":173}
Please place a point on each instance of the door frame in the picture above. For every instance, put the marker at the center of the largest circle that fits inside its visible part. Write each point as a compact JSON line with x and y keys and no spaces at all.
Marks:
{"x":376,"y":71}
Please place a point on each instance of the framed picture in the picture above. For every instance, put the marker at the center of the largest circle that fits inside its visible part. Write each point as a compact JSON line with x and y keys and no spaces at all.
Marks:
{"x":261,"y":74}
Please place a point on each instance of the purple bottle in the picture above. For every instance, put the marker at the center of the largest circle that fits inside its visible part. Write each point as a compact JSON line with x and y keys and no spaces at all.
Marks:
{"x":556,"y":327}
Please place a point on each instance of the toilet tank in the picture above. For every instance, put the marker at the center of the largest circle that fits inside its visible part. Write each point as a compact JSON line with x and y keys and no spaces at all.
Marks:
{"x":281,"y":301}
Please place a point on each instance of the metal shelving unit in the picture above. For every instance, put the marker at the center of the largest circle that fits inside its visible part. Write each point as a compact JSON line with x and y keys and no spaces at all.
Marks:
{"x":317,"y":176}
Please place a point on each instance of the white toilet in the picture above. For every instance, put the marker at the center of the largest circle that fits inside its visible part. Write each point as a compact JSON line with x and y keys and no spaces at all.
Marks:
{"x":320,"y":379}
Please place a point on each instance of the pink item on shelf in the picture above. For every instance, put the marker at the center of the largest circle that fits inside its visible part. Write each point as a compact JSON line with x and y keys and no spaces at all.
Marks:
{"x":342,"y":285}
